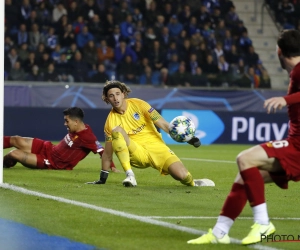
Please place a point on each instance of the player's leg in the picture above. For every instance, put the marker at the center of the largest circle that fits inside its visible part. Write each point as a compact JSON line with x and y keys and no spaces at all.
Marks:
{"x":238,"y":196}
{"x":178,"y":171}
{"x":22,"y":143}
{"x":120,"y":143}
{"x":26,"y":159}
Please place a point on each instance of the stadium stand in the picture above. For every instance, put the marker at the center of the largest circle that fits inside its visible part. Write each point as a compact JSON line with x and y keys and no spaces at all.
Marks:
{"x":159,"y":43}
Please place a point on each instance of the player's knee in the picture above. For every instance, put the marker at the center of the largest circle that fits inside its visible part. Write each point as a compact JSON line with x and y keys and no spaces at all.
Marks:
{"x":242,"y":161}
{"x":14,"y":154}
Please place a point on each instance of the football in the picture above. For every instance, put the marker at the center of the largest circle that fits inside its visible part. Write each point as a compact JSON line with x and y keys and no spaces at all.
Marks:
{"x":181,"y":129}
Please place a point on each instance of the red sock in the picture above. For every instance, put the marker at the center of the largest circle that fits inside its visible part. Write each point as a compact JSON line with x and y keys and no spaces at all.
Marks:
{"x":235,"y":201}
{"x":6,"y":142}
{"x":254,"y":186}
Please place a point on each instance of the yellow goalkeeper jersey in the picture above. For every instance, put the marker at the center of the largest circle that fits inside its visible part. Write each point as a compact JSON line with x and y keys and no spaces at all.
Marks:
{"x":137,"y":121}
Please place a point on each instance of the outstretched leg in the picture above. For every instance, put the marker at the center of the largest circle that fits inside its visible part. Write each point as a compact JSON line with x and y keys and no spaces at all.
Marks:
{"x":22,"y":143}
{"x":26,"y":159}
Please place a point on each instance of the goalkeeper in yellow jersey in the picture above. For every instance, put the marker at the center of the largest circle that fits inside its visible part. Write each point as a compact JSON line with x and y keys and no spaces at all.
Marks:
{"x":130,"y":132}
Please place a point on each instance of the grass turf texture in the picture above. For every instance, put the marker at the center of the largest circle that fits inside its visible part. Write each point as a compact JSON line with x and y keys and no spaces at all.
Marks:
{"x":155,"y":195}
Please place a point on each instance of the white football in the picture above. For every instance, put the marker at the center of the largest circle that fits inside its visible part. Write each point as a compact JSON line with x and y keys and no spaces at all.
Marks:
{"x":182,"y":129}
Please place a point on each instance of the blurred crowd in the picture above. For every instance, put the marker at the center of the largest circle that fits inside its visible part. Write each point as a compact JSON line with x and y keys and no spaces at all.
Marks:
{"x":286,"y":12}
{"x":159,"y":43}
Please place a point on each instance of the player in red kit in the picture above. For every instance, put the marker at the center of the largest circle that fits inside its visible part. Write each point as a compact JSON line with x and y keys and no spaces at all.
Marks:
{"x":40,"y":154}
{"x":274,"y":161}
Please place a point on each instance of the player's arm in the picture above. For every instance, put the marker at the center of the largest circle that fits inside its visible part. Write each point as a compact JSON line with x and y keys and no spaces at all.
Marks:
{"x":107,"y":157}
{"x":277,"y":103}
{"x":164,"y":125}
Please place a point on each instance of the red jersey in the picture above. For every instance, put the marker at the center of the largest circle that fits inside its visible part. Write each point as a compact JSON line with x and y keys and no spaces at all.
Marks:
{"x":293,"y":102}
{"x":73,"y":148}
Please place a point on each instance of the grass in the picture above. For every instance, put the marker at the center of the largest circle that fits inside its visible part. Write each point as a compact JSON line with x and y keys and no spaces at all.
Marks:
{"x":155,"y":195}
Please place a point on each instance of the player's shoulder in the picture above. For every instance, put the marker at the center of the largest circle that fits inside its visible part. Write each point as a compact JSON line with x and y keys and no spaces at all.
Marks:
{"x":295,"y":74}
{"x":87,"y":133}
{"x":136,"y":100}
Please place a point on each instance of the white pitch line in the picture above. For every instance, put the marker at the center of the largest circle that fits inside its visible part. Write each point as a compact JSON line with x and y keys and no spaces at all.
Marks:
{"x":207,"y":160}
{"x":211,"y":217}
{"x":120,"y":213}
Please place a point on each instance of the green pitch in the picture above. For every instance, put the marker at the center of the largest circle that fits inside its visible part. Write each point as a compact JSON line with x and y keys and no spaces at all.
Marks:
{"x":130,"y":224}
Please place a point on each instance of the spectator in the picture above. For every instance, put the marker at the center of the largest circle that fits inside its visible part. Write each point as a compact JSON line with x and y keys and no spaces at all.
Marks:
{"x":231,"y":18}
{"x":199,"y":79}
{"x":217,"y":52}
{"x":127,"y":28}
{"x":181,"y":77}
{"x":96,"y":27}
{"x":72,"y":51}
{"x":164,"y":37}
{"x":90,"y":54}
{"x":185,"y":15}
{"x":84,"y":37}
{"x":172,"y":49}
{"x":158,"y":25}
{"x":228,"y":41}
{"x":17,"y":73}
{"x":173,"y":64}
{"x":137,"y":15}
{"x":51,"y":39}
{"x":114,"y":39}
{"x":265,"y":80}
{"x":25,"y":10}
{"x":78,"y":25}
{"x":58,"y":11}
{"x":215,"y":17}
{"x":224,"y":69}
{"x":192,"y":26}
{"x":11,"y":13}
{"x":79,"y":68}
{"x":238,"y":72}
{"x":220,"y":30}
{"x":245,"y":42}
{"x":100,"y":76}
{"x":211,"y":71}
{"x":41,"y":49}
{"x":151,"y":13}
{"x":110,"y":25}
{"x":105,"y":53}
{"x":30,"y":62}
{"x":203,"y":16}
{"x":181,"y":38}
{"x":149,"y":38}
{"x":128,"y":70}
{"x":149,"y":77}
{"x":122,"y":12}
{"x":232,"y":56}
{"x":167,"y":12}
{"x":22,"y":35}
{"x":254,"y":78}
{"x":12,"y":58}
{"x":122,"y":51}
{"x":44,"y":63}
{"x":8,"y":44}
{"x":251,"y":57}
{"x":73,"y":11}
{"x":51,"y":75}
{"x":34,"y":75}
{"x":90,"y":9}
{"x":23,"y":53}
{"x":33,"y":19}
{"x":35,"y":37}
{"x":139,"y":51}
{"x":60,"y":25}
{"x":44,"y":16}
{"x":174,"y":27}
{"x":185,"y":51}
{"x":55,"y":55}
{"x":164,"y":77}
{"x":62,"y":66}
{"x":68,"y":37}
{"x":192,"y":64}
{"x":157,"y":56}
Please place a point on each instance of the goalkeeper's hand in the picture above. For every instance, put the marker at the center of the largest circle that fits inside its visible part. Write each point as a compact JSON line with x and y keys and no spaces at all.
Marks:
{"x":95,"y":182}
{"x":195,"y":141}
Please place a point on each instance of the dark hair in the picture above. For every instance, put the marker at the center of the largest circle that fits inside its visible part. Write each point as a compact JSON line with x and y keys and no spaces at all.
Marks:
{"x":289,"y":43}
{"x":74,"y":112}
{"x":115,"y":84}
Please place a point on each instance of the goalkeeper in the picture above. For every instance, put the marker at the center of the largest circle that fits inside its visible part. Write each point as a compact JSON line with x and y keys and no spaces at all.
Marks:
{"x":39,"y":154}
{"x":130,"y":132}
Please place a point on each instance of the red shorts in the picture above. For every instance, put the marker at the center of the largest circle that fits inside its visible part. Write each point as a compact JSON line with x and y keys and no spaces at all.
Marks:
{"x":287,"y":152}
{"x":42,"y":150}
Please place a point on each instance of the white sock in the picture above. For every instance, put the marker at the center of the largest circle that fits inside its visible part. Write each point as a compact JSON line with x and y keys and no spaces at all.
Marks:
{"x":260,"y":214}
{"x":129,"y":172}
{"x":222,"y":226}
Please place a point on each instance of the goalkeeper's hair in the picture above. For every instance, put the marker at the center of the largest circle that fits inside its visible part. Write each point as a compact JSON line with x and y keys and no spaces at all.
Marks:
{"x":115,"y":84}
{"x":74,"y":112}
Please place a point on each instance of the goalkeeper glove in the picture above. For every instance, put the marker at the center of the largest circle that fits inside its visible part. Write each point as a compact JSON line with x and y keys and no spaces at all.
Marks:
{"x":103,"y":177}
{"x":195,"y":141}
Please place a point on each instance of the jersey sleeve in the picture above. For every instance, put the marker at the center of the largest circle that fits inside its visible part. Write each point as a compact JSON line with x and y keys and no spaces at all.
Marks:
{"x":149,"y":111}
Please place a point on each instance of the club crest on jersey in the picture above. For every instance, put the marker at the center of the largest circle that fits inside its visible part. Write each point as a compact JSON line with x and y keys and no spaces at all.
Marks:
{"x":136,"y":116}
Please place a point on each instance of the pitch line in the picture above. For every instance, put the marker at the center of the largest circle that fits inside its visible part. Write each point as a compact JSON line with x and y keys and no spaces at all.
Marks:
{"x":120,"y":213}
{"x":207,"y":160}
{"x":212,"y":217}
